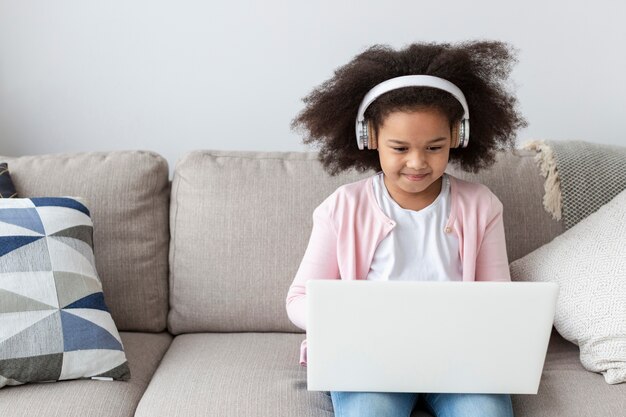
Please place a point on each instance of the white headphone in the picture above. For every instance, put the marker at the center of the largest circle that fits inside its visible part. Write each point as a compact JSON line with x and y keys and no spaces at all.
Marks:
{"x":365,"y":133}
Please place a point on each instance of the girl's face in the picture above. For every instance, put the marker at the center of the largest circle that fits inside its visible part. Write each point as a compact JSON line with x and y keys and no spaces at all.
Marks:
{"x":413,"y":148}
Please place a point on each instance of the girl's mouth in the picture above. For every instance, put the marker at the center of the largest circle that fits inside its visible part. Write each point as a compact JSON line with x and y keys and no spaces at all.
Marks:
{"x":415,"y":177}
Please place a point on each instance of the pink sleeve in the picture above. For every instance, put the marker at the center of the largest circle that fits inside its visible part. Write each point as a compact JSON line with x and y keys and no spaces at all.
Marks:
{"x":491,"y":261}
{"x":319,"y":262}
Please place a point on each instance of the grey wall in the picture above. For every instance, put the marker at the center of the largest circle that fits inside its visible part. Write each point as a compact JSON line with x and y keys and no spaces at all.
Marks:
{"x":173,"y":76}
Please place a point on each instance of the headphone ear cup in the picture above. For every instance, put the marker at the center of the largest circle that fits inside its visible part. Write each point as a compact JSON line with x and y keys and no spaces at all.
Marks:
{"x":454,"y":140}
{"x":361,"y":136}
{"x":465,"y":132}
{"x":372,"y":140}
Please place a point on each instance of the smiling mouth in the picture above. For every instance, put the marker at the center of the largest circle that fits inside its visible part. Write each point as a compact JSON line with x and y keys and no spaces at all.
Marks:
{"x":415,"y":177}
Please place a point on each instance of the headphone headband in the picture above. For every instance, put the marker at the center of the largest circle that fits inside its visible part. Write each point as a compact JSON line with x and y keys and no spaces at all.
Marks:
{"x":409,"y":81}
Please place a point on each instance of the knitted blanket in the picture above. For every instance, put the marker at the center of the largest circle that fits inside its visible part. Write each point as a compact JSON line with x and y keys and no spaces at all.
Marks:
{"x":580,"y":176}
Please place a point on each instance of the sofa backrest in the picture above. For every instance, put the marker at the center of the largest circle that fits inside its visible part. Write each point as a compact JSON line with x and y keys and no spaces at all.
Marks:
{"x":127,"y":194}
{"x":240,"y":222}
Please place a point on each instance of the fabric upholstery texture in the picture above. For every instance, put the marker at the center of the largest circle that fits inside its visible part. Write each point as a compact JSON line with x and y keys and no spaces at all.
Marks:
{"x":54,"y":323}
{"x":128,"y":193}
{"x":233,"y":375}
{"x":7,"y":189}
{"x":234,"y":275}
{"x":588,"y":262}
{"x":89,"y":398}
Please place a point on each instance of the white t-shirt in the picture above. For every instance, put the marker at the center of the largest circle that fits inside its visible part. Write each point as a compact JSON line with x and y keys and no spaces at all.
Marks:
{"x":417,"y":249}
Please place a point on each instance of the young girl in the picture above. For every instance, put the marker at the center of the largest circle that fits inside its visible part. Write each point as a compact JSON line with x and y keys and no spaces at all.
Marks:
{"x":405,"y":114}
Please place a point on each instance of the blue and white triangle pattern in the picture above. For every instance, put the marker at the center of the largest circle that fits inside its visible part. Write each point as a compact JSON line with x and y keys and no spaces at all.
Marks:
{"x":54,"y":323}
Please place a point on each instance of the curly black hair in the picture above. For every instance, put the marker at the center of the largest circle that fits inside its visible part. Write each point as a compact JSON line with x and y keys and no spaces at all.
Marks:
{"x":478,"y":68}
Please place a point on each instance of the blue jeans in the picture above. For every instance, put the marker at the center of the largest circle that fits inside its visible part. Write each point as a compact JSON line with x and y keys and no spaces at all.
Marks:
{"x":392,"y":404}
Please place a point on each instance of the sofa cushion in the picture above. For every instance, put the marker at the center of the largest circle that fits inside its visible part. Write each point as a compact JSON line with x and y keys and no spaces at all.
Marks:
{"x":7,"y":189}
{"x":232,"y":375}
{"x":239,"y":223}
{"x":88,"y":398}
{"x":567,"y":389}
{"x":54,"y":323}
{"x":128,"y":195}
{"x":588,"y":262}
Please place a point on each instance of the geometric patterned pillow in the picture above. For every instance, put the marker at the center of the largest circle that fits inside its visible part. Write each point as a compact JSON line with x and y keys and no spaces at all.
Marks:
{"x":54,"y":324}
{"x":7,"y":190}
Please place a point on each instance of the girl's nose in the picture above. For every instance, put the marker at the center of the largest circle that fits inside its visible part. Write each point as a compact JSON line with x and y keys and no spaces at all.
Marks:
{"x":416,"y":160}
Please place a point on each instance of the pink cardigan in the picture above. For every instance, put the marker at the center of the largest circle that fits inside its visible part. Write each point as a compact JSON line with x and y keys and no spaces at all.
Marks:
{"x":349,"y":225}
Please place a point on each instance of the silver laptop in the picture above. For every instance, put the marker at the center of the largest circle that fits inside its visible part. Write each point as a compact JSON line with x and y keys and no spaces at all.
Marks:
{"x":461,"y":337}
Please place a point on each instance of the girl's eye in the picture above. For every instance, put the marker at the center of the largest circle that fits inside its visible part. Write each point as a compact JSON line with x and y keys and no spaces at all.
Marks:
{"x":434,"y":148}
{"x":399,"y":149}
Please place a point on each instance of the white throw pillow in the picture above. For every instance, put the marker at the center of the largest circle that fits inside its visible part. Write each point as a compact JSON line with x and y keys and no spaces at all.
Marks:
{"x":589,"y":263}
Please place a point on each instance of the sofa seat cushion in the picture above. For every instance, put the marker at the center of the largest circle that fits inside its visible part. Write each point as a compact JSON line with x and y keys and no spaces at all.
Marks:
{"x":567,"y":389}
{"x":87,"y":398}
{"x":232,"y":374}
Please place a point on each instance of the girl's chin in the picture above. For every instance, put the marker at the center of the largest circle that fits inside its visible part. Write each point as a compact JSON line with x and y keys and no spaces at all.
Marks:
{"x":412,"y":187}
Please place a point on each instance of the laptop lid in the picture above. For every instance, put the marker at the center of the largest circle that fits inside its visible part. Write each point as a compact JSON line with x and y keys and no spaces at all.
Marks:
{"x":460,"y":337}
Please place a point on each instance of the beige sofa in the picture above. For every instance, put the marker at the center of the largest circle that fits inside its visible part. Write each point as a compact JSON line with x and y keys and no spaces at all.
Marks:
{"x":195,"y":273}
